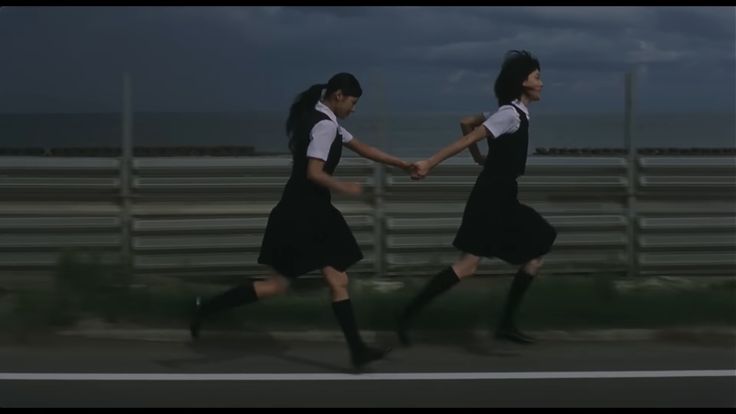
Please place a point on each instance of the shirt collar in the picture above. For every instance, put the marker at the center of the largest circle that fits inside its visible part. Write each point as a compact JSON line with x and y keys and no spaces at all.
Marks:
{"x":521,"y":106}
{"x":326,"y":110}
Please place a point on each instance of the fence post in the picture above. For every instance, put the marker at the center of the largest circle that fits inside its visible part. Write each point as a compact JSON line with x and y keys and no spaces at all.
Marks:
{"x":379,"y":175}
{"x":632,"y":171}
{"x":126,"y":156}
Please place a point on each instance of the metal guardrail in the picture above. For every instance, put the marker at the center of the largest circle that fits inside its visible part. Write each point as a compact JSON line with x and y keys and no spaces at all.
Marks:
{"x":205,"y":216}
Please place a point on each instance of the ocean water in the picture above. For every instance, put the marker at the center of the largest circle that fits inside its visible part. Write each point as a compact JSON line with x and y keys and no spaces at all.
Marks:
{"x":408,"y":135}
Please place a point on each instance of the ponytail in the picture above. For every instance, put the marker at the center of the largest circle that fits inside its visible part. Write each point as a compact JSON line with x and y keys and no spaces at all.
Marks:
{"x":306,"y":100}
{"x":302,"y":103}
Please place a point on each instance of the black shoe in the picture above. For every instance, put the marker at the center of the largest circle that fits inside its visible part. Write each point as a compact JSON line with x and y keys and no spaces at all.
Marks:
{"x":195,"y":323}
{"x":368,"y":354}
{"x":514,"y":335}
{"x":402,"y":331}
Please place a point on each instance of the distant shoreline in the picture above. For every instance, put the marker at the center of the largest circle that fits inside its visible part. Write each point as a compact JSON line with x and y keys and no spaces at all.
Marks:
{"x":249,"y":151}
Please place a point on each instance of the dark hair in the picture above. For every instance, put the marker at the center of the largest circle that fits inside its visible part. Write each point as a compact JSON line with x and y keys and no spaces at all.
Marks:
{"x":306,"y":100}
{"x":517,"y":65}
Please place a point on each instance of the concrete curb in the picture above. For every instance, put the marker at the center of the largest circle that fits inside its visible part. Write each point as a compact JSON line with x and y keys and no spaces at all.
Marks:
{"x":715,"y":334}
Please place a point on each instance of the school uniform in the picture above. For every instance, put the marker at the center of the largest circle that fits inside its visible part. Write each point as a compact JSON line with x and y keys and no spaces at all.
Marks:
{"x":495,"y":223}
{"x":305,"y":232}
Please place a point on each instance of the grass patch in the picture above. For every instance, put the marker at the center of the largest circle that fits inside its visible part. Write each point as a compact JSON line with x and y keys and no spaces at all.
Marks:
{"x":84,"y":288}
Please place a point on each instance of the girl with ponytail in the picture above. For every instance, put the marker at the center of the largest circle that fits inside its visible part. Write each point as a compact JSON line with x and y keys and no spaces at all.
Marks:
{"x":305,"y":232}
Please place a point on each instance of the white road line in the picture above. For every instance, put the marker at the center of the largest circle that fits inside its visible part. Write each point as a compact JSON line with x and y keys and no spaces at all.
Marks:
{"x":387,"y":376}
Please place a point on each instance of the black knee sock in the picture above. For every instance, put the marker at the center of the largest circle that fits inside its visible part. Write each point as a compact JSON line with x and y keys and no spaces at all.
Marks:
{"x":239,"y":295}
{"x":440,"y":283}
{"x":519,"y":286}
{"x":346,"y":318}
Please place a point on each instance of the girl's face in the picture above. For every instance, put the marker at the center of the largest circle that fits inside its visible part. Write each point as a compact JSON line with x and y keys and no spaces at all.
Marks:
{"x":344,"y":105}
{"x":533,"y":86}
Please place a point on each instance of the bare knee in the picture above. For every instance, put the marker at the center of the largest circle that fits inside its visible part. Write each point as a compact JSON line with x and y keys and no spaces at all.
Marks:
{"x":272,"y":286}
{"x":280,"y":284}
{"x":533,"y":266}
{"x":337,"y":281}
{"x":466,"y":266}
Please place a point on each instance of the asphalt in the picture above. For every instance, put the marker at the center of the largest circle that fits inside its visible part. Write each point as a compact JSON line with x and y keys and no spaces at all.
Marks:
{"x":266,"y":370}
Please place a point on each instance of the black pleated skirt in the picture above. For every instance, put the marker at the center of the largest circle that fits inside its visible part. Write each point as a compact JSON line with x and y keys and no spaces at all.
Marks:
{"x":496,"y":224}
{"x":303,"y":235}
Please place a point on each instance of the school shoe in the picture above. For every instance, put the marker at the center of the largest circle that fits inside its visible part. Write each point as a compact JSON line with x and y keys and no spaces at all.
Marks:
{"x":195,"y":323}
{"x":514,"y":335}
{"x":368,"y":354}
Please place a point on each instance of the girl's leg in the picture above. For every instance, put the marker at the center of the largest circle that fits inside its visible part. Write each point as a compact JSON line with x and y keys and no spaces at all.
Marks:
{"x":249,"y":292}
{"x":342,"y":306}
{"x":519,"y":285}
{"x":448,"y":277}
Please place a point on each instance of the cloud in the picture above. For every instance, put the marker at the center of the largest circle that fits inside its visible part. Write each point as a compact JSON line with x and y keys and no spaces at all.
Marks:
{"x":648,"y":53}
{"x":235,"y":58}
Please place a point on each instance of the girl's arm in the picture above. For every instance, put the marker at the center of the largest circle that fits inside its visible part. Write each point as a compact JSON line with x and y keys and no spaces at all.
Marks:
{"x":467,"y":124}
{"x":422,"y":167}
{"x":372,"y":153}
{"x":316,"y":174}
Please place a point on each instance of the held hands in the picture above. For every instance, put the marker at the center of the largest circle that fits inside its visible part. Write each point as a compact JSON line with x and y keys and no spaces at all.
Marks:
{"x":416,"y":170}
{"x":413,"y":170}
{"x":420,"y":169}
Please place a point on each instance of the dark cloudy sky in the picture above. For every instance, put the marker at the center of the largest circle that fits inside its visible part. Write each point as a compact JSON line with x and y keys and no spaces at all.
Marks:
{"x":409,"y":59}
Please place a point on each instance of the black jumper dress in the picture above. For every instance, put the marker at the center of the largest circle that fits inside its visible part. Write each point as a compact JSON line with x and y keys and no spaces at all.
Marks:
{"x":305,"y":232}
{"x":495,"y":223}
